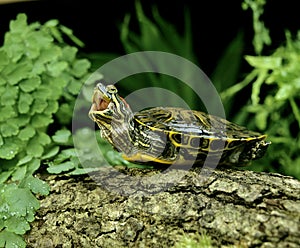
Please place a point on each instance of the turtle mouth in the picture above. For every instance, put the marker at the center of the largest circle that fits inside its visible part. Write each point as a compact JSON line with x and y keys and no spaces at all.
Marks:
{"x":100,"y":102}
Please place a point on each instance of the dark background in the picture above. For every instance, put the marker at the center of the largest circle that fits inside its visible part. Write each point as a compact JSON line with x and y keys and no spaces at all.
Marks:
{"x":214,"y":23}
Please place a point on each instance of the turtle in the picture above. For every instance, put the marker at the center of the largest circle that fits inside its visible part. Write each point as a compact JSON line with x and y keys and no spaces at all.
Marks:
{"x":167,"y":135}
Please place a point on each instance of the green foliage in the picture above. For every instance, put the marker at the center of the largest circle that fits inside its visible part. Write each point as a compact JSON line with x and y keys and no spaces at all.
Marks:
{"x":18,"y":206}
{"x":261,"y":33}
{"x":157,"y":34}
{"x":277,"y":112}
{"x":67,"y":161}
{"x":38,"y":73}
{"x":224,"y":76}
{"x":275,"y":98}
{"x":11,"y":240}
{"x":194,"y":241}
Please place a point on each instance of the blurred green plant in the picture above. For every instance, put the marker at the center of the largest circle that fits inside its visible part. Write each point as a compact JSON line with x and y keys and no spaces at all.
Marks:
{"x":157,"y":34}
{"x":261,"y":33}
{"x":275,"y":97}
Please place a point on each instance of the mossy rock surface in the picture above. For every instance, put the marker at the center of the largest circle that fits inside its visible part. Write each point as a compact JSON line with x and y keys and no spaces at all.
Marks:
{"x":242,"y":208}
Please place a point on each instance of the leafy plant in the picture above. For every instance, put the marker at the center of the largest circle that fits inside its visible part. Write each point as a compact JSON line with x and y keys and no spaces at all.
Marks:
{"x":275,"y":97}
{"x":261,"y":33}
{"x":67,"y":161}
{"x":18,"y":206}
{"x":157,"y":34}
{"x":36,"y":75}
{"x":40,"y":76}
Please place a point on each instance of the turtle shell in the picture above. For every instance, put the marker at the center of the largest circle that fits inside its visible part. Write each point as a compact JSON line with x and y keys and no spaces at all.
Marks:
{"x":188,"y":136}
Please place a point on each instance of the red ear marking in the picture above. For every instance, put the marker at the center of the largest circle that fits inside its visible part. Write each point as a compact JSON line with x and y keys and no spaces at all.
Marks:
{"x":123,"y":100}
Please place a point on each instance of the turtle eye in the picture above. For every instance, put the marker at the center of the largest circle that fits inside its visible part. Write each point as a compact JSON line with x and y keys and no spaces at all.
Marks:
{"x":100,"y":87}
{"x":111,"y":89}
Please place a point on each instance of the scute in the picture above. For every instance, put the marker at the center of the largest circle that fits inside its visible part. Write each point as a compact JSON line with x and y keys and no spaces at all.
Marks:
{"x":194,"y":123}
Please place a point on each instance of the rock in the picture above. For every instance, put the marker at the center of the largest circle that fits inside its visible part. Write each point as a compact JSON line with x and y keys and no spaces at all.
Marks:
{"x":122,"y":207}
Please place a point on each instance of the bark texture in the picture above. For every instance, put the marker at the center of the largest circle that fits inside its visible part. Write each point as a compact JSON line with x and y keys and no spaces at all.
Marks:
{"x":244,"y":208}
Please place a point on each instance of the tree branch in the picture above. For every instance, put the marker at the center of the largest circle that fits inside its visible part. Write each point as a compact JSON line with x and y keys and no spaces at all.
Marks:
{"x":232,"y":207}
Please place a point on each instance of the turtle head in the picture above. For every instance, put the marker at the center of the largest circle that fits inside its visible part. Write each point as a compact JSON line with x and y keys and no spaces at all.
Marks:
{"x":108,"y":109}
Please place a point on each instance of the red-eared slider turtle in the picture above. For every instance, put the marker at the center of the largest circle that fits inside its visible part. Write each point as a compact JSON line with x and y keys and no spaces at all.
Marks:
{"x":164,"y":135}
